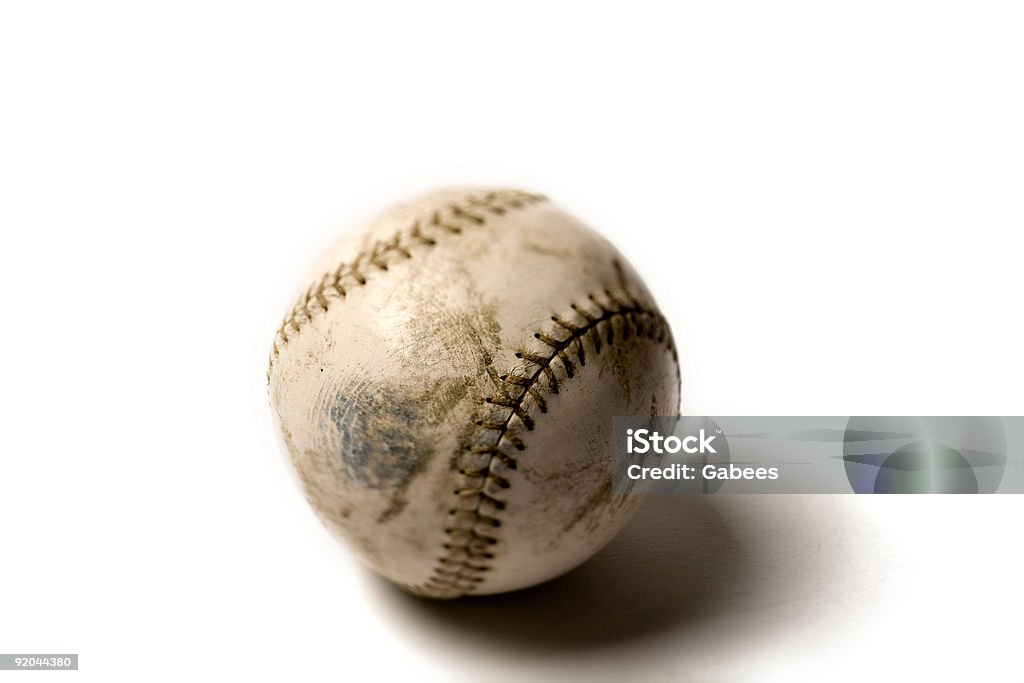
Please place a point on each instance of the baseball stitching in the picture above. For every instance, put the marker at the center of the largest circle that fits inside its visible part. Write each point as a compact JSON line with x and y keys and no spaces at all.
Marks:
{"x":468,"y":552}
{"x":451,"y":219}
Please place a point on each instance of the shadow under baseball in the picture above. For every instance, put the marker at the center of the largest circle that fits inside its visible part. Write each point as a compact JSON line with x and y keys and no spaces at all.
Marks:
{"x":681,"y":563}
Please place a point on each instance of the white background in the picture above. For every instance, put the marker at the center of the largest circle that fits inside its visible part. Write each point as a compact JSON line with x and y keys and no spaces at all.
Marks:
{"x":826,"y":199}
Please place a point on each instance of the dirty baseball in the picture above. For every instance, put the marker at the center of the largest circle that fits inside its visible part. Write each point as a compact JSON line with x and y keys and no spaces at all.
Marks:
{"x":445,"y":384}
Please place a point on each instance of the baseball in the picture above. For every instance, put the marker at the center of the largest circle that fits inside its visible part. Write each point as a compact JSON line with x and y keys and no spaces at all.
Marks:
{"x":446,"y":383}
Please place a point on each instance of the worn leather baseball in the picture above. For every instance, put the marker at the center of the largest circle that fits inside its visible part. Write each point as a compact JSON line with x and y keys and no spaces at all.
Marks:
{"x":445,"y":388}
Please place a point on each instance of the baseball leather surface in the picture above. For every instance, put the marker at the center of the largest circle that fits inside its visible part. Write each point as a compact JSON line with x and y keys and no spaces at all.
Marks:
{"x":446,"y":384}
